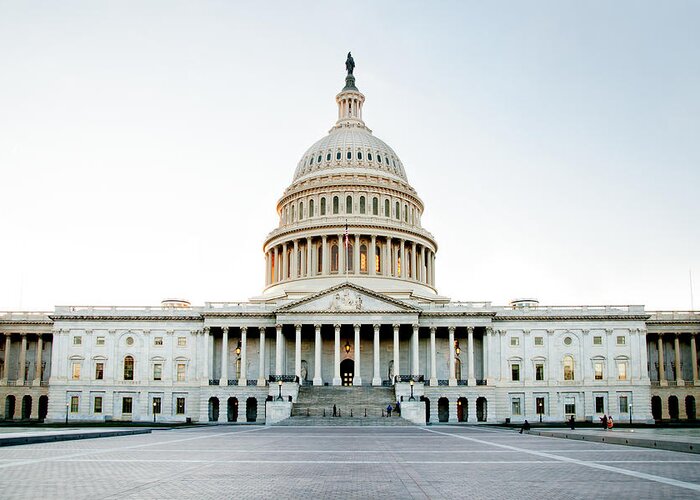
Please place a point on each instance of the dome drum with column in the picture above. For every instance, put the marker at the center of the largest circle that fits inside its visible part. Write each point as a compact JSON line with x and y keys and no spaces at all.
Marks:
{"x":350,"y":179}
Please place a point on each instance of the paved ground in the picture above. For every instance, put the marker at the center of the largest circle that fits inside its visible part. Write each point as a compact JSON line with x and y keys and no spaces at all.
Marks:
{"x":343,"y":462}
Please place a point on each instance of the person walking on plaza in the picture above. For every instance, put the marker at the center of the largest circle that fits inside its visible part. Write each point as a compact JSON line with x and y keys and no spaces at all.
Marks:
{"x":604,"y":422}
{"x":388,"y":410}
{"x":525,"y":427}
{"x":335,"y":411}
{"x":572,"y":422}
{"x":610,"y":423}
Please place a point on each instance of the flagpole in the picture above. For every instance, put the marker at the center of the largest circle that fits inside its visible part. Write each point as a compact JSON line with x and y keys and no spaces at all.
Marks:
{"x":346,"y":250}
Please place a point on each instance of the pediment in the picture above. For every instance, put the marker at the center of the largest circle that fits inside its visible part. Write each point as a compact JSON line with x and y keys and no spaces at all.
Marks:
{"x":347,"y":298}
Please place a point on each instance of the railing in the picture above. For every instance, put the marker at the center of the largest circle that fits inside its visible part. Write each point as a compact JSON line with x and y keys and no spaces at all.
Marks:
{"x":674,"y":315}
{"x":443,"y":382}
{"x":283,"y":378}
{"x":408,"y":378}
{"x":608,"y":309}
{"x":127,"y":310}
{"x":213,"y":381}
{"x":232,"y":381}
{"x":20,"y":316}
{"x":462,"y":382}
{"x":252,"y":382}
{"x":480,"y":381}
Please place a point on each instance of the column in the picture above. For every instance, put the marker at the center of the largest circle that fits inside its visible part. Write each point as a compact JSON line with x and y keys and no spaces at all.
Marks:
{"x":429,"y":270}
{"x":356,"y":255}
{"x":37,"y":363}
{"x":470,"y":353}
{"x":224,"y":357}
{"x":451,"y":349}
{"x":309,"y":258}
{"x":487,"y":352}
{"x":694,"y":358}
{"x":415,"y":369}
{"x":297,"y":352}
{"x":402,"y":256}
{"x":285,"y":263}
{"x":388,"y":264}
{"x":433,"y":358}
{"x":205,"y":357}
{"x":414,"y":260}
{"x":372,"y":269}
{"x":336,"y":357}
{"x":357,"y":380}
{"x":6,"y":371}
{"x":267,"y":268}
{"x":341,"y":254}
{"x":277,"y":267}
{"x":397,"y":364}
{"x":325,"y":257}
{"x":22,"y":360}
{"x":278,"y":350}
{"x":318,"y":378}
{"x":295,"y":260}
{"x":662,"y":372}
{"x":677,"y":353}
{"x":261,"y":369}
{"x":243,"y":379}
{"x":377,"y":378}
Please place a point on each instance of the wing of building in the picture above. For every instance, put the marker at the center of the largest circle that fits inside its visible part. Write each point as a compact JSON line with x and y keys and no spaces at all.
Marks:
{"x":349,"y":321}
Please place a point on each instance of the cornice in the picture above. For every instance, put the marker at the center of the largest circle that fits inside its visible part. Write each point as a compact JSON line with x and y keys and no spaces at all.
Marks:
{"x":586,"y":317}
{"x":101,"y":317}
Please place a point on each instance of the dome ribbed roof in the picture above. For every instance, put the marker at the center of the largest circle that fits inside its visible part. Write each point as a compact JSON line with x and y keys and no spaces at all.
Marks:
{"x":367,"y":152}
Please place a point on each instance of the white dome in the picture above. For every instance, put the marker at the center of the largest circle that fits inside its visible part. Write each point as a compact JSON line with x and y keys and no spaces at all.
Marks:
{"x":366,"y":151}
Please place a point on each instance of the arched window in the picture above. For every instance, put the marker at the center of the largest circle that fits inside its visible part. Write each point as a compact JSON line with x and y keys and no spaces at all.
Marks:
{"x":369,"y":156}
{"x":359,"y":155}
{"x":362,"y":204}
{"x":311,"y":208}
{"x":319,"y":262}
{"x":334,"y":258}
{"x":379,"y":158}
{"x":335,"y":204}
{"x":409,"y":267}
{"x":272,"y":267}
{"x":568,"y":368}
{"x":350,"y":258}
{"x":338,"y":155}
{"x":375,"y":206}
{"x":363,"y":258}
{"x":311,"y":161}
{"x":387,"y":209}
{"x":318,"y":160}
{"x":348,"y":205}
{"x":328,"y":157}
{"x":289,"y":263}
{"x":323,"y":206}
{"x":398,"y":211}
{"x":398,"y":265}
{"x":292,"y":219}
{"x":377,"y":259}
{"x":405,"y":213}
{"x":349,"y":155}
{"x":301,"y":210}
{"x":128,"y":368}
{"x":286,"y":215}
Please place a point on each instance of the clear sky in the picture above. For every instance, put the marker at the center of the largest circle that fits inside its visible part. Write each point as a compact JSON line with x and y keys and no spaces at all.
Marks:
{"x":143,"y":145}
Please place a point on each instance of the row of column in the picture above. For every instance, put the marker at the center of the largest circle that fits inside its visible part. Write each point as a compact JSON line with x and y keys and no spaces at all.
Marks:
{"x":305,"y":254}
{"x":21,"y":379}
{"x":357,"y":380}
{"x":677,"y":359}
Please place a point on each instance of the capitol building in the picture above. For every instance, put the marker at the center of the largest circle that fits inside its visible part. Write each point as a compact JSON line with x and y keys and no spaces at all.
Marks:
{"x":349,"y":316}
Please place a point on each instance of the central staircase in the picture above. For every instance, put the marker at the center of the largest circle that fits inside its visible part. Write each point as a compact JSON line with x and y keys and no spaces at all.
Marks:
{"x":359,"y":405}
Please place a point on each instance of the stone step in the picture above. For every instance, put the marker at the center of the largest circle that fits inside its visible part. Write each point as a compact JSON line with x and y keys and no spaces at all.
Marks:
{"x":345,"y":421}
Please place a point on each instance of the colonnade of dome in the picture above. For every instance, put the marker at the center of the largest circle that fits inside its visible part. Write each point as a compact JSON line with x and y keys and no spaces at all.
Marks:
{"x":350,"y":183}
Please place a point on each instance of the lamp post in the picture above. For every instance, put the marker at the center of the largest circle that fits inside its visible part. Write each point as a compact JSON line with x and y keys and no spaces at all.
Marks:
{"x":411,"y":398}
{"x":279,"y":397}
{"x":67,"y":407}
{"x":154,"y":412}
{"x":630,"y":410}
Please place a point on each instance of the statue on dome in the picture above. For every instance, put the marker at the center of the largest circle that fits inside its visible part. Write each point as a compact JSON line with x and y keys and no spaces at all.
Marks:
{"x":349,"y":64}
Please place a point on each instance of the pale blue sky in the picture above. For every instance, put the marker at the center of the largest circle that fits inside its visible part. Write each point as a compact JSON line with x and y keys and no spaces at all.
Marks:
{"x":143,"y":145}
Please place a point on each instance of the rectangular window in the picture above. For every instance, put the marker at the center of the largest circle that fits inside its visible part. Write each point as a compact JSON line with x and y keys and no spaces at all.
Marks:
{"x":156,"y":406}
{"x":539,"y":371}
{"x":598,"y":371}
{"x":74,"y":404}
{"x":570,"y":407}
{"x":157,"y":371}
{"x":180,"y":406}
{"x":622,"y":371}
{"x":97,"y":404}
{"x":599,"y":404}
{"x":515,"y":372}
{"x":99,"y":371}
{"x":181,"y":372}
{"x":126,"y":405}
{"x":624,"y":404}
{"x":621,"y":340}
{"x":158,"y":341}
{"x":597,"y":340}
{"x":514,"y":341}
{"x":99,"y":341}
{"x":515,"y":406}
{"x":182,"y":341}
{"x":539,"y":341}
{"x":75,"y":371}
{"x":539,"y":406}
{"x":77,"y":340}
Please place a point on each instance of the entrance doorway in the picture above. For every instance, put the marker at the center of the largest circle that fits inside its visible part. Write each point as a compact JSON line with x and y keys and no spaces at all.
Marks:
{"x":347,"y":372}
{"x":462,"y":409}
{"x":232,"y":411}
{"x":443,"y":410}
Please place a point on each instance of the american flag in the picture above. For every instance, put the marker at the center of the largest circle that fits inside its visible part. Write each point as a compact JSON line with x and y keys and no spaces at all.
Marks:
{"x":347,"y":238}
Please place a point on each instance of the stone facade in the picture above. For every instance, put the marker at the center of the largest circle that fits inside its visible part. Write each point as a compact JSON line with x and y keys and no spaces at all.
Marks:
{"x":349,"y":299}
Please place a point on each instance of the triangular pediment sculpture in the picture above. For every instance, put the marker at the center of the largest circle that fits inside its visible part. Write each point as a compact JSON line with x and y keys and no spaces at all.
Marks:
{"x":347,"y":298}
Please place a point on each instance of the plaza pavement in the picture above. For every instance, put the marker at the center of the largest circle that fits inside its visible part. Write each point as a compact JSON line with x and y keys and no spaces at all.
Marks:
{"x":343,"y":462}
